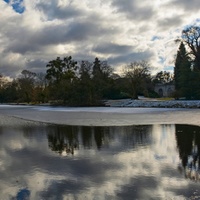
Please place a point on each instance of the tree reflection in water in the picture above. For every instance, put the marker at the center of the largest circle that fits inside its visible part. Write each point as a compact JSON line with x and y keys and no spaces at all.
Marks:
{"x":67,"y":139}
{"x":94,"y":136}
{"x":63,"y":139}
{"x":188,"y":143}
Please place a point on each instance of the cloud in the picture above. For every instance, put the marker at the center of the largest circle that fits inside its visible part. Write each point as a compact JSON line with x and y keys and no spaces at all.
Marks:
{"x":134,"y":10}
{"x":111,"y":48}
{"x":113,"y":30}
{"x":52,"y":10}
{"x":37,"y":65}
{"x":131,"y":57}
{"x":29,"y":40}
{"x":188,"y":6}
{"x":169,"y":23}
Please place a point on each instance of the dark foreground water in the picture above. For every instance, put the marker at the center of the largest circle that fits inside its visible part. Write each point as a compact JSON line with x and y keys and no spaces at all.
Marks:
{"x":73,"y":162}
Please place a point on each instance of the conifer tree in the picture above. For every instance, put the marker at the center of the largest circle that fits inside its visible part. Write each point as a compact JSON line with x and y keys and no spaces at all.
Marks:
{"x":182,"y":73}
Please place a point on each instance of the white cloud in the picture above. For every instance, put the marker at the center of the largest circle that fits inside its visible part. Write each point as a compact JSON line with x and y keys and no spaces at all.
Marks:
{"x":83,"y":29}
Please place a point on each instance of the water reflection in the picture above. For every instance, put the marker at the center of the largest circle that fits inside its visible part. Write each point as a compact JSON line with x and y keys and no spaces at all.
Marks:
{"x":66,"y":139}
{"x":63,"y":139}
{"x":188,"y":143}
{"x":74,"y":162}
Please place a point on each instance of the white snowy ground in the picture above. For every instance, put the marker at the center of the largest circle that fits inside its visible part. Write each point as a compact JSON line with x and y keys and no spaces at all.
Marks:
{"x":99,"y":116}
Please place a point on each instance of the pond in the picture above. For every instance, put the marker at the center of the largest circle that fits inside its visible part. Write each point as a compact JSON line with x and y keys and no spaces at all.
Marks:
{"x":83,"y":162}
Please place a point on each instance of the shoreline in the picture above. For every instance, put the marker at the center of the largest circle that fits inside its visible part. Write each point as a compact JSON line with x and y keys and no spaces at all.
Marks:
{"x":151,"y":103}
{"x":142,"y":102}
{"x":103,"y":116}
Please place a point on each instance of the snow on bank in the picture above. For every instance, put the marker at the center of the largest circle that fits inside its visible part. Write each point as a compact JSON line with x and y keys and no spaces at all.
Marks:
{"x":154,"y":103}
{"x":100,"y":116}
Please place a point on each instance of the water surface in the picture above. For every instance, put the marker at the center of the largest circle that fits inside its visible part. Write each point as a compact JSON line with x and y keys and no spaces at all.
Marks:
{"x":84,"y":162}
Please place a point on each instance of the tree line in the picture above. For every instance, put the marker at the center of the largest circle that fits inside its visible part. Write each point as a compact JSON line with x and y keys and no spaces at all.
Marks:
{"x":85,"y":83}
{"x":68,"y":82}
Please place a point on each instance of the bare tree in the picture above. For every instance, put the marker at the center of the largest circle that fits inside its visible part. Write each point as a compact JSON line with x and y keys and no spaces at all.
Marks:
{"x":137,"y":73}
{"x":191,"y":36}
{"x":26,"y":83}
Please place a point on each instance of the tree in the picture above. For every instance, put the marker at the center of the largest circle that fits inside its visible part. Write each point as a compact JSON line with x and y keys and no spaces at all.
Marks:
{"x":96,"y":68}
{"x":26,"y":84}
{"x":3,"y":81}
{"x":61,"y":74}
{"x":85,"y":86}
{"x":101,"y":79}
{"x":97,"y":80}
{"x":191,"y":37}
{"x":137,"y":73}
{"x":8,"y":90}
{"x":183,"y":73}
{"x":163,"y":77}
{"x":40,"y":90}
{"x":61,"y":69}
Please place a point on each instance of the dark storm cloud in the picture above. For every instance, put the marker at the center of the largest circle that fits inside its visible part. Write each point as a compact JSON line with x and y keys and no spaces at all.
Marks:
{"x":36,"y":65}
{"x":133,"y":11}
{"x":20,"y":40}
{"x":21,"y":47}
{"x":31,"y":41}
{"x":9,"y":69}
{"x":53,"y":11}
{"x":170,"y":22}
{"x":110,"y":48}
{"x":83,"y":55}
{"x":131,"y":57}
{"x":188,"y":6}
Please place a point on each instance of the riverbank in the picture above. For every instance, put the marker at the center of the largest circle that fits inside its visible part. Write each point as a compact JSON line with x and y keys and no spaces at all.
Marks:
{"x":102,"y":116}
{"x":153,"y":103}
{"x":142,"y":102}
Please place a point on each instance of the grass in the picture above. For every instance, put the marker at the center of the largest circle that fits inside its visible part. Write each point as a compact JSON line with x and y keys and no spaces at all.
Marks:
{"x":165,"y":98}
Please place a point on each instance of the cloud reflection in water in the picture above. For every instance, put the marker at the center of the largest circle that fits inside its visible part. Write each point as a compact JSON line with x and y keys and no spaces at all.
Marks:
{"x":133,"y":162}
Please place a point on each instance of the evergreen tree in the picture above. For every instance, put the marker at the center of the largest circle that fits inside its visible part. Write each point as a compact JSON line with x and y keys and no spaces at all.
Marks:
{"x":183,"y":73}
{"x":83,"y":87}
{"x":96,"y":68}
{"x":101,"y":79}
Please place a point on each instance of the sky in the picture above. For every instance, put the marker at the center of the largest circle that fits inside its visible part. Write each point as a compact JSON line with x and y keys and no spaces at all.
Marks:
{"x":119,"y":31}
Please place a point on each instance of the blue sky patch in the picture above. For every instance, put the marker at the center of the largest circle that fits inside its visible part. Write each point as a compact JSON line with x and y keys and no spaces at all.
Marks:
{"x":155,"y":38}
{"x":168,"y":68}
{"x":161,"y":59}
{"x":17,"y":5}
